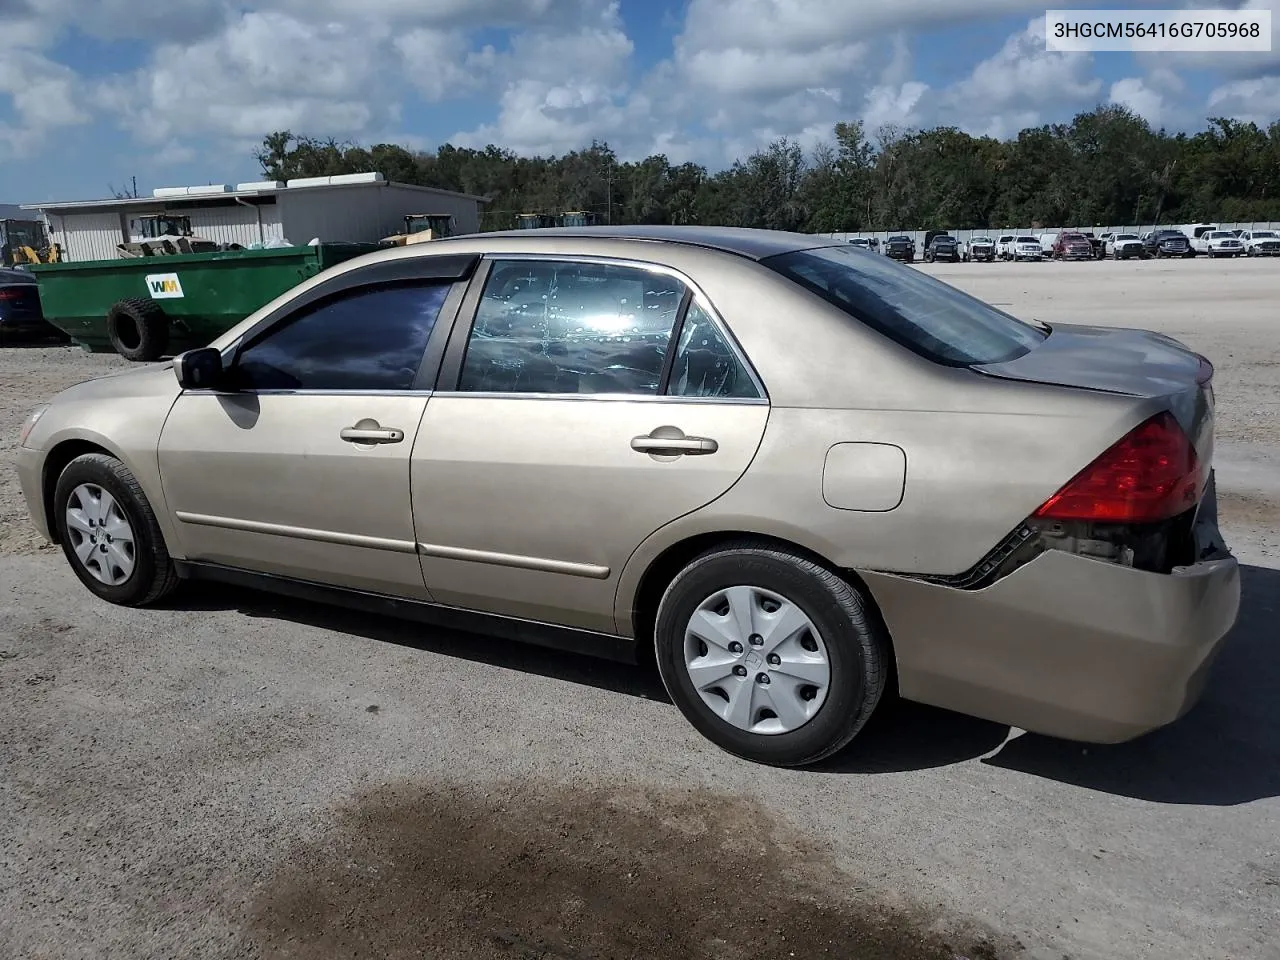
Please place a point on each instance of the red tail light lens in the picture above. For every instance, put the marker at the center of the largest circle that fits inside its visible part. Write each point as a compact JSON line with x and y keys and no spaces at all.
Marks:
{"x":1152,"y":474}
{"x":10,"y":293}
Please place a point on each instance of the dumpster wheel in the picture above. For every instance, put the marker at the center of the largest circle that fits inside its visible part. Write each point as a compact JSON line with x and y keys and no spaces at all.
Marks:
{"x":139,"y":329}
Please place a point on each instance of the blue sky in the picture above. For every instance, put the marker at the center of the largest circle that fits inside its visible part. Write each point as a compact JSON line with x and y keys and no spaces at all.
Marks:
{"x":93,"y":93}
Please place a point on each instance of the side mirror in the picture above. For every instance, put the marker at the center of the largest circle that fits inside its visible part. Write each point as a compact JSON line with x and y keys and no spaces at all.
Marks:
{"x":199,"y":369}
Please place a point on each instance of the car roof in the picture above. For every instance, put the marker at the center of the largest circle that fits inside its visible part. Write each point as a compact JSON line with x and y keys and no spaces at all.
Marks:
{"x":749,"y":242}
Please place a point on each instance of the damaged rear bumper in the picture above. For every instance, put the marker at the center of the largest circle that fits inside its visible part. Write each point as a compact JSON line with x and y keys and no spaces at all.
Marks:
{"x":1066,"y":645}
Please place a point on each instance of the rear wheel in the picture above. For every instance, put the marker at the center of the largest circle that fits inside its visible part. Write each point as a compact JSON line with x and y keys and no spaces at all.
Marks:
{"x":109,"y":532}
{"x":769,"y":655}
{"x":138,"y":329}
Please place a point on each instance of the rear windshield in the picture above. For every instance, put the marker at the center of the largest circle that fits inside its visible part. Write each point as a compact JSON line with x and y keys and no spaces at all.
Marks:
{"x":933,"y":318}
{"x":16,"y":276}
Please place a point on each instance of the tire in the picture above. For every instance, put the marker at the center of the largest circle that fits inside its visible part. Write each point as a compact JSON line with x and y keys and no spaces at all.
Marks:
{"x":153,"y":574}
{"x":138,"y":330}
{"x":849,"y":632}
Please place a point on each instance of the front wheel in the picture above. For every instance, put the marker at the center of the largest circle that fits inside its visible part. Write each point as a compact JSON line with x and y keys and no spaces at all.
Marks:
{"x":769,"y":655}
{"x":109,"y":532}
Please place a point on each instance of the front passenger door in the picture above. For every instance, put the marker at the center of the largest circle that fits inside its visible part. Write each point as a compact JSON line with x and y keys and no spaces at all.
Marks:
{"x":300,"y":467}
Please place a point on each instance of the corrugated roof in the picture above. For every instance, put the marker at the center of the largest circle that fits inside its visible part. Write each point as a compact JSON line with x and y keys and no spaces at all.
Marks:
{"x":65,"y":205}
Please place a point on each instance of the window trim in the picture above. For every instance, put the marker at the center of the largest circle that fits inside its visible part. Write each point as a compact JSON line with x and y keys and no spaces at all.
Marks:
{"x":428,"y":363}
{"x":450,"y":375}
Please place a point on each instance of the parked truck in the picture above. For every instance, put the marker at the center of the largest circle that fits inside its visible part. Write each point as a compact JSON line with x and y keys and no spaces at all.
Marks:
{"x":146,"y":307}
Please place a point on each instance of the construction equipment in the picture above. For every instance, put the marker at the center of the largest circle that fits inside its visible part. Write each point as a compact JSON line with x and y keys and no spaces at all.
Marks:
{"x":533,"y":221}
{"x":165,"y":235}
{"x":25,"y":241}
{"x":420,"y":227}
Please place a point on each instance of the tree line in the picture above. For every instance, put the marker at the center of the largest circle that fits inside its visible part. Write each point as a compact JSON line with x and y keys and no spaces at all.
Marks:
{"x":1107,"y":166}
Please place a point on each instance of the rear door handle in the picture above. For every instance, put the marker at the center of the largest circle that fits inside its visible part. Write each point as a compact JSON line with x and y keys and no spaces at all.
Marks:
{"x":371,"y":434}
{"x":688,"y":446}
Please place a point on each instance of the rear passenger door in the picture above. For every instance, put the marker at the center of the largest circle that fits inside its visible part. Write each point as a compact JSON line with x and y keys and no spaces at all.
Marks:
{"x":582,"y":405}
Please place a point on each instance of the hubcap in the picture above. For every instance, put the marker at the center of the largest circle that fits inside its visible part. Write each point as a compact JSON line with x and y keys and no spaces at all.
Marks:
{"x":101,"y":536}
{"x":757,"y":660}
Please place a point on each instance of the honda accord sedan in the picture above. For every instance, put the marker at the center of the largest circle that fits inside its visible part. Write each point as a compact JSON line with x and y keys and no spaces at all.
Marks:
{"x":801,"y":475}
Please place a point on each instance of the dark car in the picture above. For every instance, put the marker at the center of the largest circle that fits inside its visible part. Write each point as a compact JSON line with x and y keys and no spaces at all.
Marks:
{"x":900,"y":248}
{"x":942,"y":246}
{"x":1099,"y":245}
{"x":1167,"y":243}
{"x":20,"y":315}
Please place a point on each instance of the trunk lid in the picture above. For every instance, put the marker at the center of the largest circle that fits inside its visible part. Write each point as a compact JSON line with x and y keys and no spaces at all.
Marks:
{"x":1135,"y":363}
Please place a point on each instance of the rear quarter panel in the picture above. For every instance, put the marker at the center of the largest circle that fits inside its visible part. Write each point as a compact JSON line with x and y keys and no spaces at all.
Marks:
{"x":971,"y":478}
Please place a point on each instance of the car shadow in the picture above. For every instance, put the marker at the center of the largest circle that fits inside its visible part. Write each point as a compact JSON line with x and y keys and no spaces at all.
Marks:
{"x":638,"y":681}
{"x":1226,"y":751}
{"x":33,"y":342}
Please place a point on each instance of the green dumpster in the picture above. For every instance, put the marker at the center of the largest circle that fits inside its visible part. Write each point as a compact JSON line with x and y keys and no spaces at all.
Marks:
{"x":147,"y":307}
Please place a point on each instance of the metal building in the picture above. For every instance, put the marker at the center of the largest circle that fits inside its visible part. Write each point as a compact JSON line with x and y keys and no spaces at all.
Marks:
{"x":355,"y":207}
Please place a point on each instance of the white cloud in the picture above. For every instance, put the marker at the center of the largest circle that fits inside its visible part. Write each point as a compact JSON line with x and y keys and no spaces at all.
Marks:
{"x":1020,"y":86}
{"x":45,"y":96}
{"x":240,"y":82}
{"x":562,"y":89}
{"x":1256,"y":100}
{"x":888,"y":105}
{"x":222,"y":73}
{"x":1146,"y":102}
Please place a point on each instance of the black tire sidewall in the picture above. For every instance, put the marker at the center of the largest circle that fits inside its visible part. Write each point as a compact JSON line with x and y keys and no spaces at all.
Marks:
{"x":151,"y":325}
{"x":767,"y":571}
{"x":94,"y":469}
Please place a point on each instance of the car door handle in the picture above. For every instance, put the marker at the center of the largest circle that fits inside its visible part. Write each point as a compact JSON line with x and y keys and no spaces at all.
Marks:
{"x":689,"y":446}
{"x":371,"y":434}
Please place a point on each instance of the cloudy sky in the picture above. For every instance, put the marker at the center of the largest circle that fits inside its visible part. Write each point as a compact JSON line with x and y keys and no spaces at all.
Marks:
{"x":95,"y":91}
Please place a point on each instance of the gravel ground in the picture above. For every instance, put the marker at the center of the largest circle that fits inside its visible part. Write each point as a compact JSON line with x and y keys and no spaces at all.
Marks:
{"x":237,"y":775}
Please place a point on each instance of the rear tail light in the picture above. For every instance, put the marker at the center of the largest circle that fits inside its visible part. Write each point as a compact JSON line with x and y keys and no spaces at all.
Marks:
{"x":9,"y":293}
{"x":1151,"y":474}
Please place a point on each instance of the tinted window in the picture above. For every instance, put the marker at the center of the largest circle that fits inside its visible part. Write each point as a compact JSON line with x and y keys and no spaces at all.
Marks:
{"x":565,"y":327}
{"x":16,"y":276}
{"x":705,"y":365}
{"x":368,"y":339}
{"x":926,"y":315}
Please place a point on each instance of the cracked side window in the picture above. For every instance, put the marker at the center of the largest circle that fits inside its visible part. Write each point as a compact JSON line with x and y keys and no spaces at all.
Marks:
{"x":547,"y":326}
{"x":705,"y":365}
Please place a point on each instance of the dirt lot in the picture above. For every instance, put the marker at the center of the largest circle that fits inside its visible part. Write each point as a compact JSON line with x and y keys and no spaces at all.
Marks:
{"x":241,"y":776}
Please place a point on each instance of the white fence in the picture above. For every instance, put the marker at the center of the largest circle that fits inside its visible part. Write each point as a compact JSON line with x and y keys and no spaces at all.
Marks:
{"x":964,"y":235}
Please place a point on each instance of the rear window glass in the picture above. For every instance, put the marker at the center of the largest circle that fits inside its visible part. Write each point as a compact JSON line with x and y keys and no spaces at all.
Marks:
{"x":923,"y":314}
{"x":16,"y":276}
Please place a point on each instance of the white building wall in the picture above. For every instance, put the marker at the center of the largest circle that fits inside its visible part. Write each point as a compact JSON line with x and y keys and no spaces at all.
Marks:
{"x":365,"y":213}
{"x":400,"y":201}
{"x":238,"y":224}
{"x":86,"y":236}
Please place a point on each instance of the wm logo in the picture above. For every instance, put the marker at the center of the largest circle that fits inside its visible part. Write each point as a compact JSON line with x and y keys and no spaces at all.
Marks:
{"x":164,"y":286}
